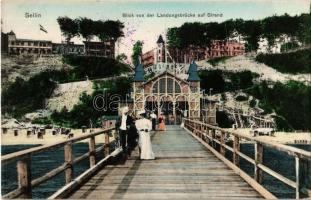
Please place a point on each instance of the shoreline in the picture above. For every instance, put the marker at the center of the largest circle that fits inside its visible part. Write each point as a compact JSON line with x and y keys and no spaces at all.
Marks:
{"x":286,"y":138}
{"x":290,"y":138}
{"x":8,"y":139}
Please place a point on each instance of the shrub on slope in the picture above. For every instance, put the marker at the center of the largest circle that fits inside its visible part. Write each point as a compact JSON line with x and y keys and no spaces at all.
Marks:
{"x":293,"y":62}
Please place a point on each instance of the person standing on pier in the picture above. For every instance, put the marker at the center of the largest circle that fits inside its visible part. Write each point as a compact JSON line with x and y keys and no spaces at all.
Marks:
{"x":144,"y":126}
{"x":132,"y":139}
{"x":153,"y":117}
{"x":162,"y":123}
{"x":123,"y":125}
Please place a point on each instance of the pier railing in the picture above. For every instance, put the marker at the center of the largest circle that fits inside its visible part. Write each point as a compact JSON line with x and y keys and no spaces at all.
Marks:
{"x":212,"y":136}
{"x":23,"y":158}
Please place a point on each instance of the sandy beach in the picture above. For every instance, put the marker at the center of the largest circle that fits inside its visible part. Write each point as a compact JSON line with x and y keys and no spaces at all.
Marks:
{"x":22,"y":139}
{"x":281,"y":137}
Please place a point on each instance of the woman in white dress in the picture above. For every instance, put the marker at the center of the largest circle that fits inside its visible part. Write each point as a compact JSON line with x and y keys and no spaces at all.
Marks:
{"x":144,"y":126}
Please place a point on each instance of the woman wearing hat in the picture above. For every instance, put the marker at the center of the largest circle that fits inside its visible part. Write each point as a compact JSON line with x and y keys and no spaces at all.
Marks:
{"x":144,"y":126}
{"x":162,"y":123}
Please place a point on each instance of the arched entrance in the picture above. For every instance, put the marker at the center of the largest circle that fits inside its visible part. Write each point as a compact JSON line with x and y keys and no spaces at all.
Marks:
{"x":167,"y":94}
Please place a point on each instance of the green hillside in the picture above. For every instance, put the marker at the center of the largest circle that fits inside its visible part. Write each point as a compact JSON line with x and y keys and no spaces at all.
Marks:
{"x":23,"y":96}
{"x":293,"y":62}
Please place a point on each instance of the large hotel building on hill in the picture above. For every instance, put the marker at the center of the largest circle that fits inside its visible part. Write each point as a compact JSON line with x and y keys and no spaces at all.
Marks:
{"x":16,"y":46}
{"x":218,"y":48}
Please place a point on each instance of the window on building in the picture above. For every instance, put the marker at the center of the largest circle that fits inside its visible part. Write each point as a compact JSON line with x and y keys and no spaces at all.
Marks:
{"x":170,"y":84}
{"x":155,"y":88}
{"x":166,"y":86}
{"x":162,"y":87}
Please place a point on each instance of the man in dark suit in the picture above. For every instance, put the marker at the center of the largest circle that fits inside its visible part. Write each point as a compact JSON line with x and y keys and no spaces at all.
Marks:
{"x":127,"y":131}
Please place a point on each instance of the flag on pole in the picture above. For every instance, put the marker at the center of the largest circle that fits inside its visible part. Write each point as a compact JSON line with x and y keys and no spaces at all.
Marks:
{"x":43,"y":29}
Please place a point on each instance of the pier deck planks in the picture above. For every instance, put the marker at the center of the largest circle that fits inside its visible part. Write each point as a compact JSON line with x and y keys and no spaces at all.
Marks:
{"x":183,"y":169}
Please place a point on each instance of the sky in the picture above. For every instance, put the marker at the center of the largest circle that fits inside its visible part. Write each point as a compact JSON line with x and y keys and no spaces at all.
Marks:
{"x":146,"y":29}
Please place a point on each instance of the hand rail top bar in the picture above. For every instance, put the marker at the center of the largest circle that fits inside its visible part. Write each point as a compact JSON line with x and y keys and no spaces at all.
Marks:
{"x":16,"y":155}
{"x":281,"y":147}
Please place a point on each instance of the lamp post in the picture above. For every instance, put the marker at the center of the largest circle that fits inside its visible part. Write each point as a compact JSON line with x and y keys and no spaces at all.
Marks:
{"x":203,"y":97}
{"x":105,"y":99}
{"x":127,"y":96}
{"x":210,"y":98}
{"x":210,"y":105}
{"x":203,"y":110}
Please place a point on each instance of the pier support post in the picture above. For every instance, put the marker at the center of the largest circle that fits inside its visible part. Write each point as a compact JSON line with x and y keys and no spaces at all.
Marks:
{"x":24,"y":177}
{"x":68,"y":161}
{"x":92,"y":151}
{"x":236,"y":148}
{"x":258,"y":160}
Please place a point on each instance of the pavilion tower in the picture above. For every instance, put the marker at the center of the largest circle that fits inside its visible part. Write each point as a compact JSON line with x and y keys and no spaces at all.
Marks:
{"x":160,"y":51}
{"x":138,"y":90}
{"x":194,"y":93}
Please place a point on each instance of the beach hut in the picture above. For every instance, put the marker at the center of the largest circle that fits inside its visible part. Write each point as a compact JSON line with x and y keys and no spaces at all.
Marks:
{"x":4,"y":130}
{"x":29,"y":132}
{"x":83,"y":129}
{"x":40,"y":135}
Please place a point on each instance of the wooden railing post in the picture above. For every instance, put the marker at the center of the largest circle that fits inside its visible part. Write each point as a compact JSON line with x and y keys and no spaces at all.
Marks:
{"x":207,"y":133}
{"x":92,"y":152}
{"x":106,"y":149}
{"x":68,"y":161}
{"x":203,"y":133}
{"x":201,"y":130}
{"x":222,"y":143}
{"x":258,"y":160}
{"x":213,"y":138}
{"x":236,"y":149}
{"x":24,"y":177}
{"x":297,"y":177}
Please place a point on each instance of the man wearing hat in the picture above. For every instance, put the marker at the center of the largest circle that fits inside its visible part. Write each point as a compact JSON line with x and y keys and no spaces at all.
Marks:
{"x":153,"y":117}
{"x":144,"y":126}
{"x":124,"y":124}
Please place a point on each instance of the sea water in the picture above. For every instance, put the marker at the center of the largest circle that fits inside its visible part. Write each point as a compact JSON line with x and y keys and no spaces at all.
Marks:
{"x":42,"y":163}
{"x":276,"y":160}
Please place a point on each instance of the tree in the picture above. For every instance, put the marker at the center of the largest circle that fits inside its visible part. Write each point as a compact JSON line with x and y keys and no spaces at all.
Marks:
{"x":173,"y":37}
{"x":121,"y":58}
{"x":68,"y":27}
{"x":212,"y":79}
{"x":100,"y":30}
{"x":137,"y":51}
{"x":114,"y":29}
{"x":297,"y":27}
{"x":86,"y":28}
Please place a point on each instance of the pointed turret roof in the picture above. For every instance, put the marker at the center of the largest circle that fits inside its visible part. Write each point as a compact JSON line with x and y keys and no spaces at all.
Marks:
{"x":193,"y":72}
{"x":160,"y":40}
{"x":139,"y":73}
{"x":11,"y":33}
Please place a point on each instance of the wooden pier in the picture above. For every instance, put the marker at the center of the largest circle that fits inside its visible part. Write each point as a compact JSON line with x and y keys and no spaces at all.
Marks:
{"x":190,"y":163}
{"x":183,"y":169}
